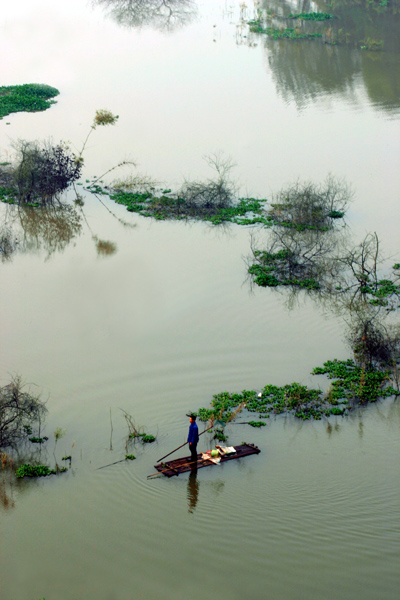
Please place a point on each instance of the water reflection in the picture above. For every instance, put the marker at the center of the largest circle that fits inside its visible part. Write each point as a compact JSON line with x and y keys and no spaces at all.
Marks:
{"x":305,"y":71}
{"x":25,"y":453}
{"x":50,"y":228}
{"x":192,"y":490}
{"x":161,"y":14}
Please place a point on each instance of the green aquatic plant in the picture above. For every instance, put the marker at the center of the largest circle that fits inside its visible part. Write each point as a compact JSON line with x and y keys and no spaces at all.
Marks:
{"x":351,"y":384}
{"x":29,"y":97}
{"x":28,"y":470}
{"x":219,"y":435}
{"x":313,"y":16}
{"x":8,"y":195}
{"x":256,"y":27}
{"x":290,"y":34}
{"x":213,"y":200}
{"x":357,"y":383}
{"x":130,"y":457}
{"x":244,"y":211}
{"x":38,"y":440}
{"x":147,"y":438}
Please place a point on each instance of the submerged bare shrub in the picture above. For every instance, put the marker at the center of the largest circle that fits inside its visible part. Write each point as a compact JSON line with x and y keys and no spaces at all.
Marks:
{"x":208,"y":197}
{"x":363,"y":280}
{"x":42,"y":170}
{"x":19,"y":410}
{"x":309,"y":205}
{"x":294,"y":258}
{"x":373,"y":343}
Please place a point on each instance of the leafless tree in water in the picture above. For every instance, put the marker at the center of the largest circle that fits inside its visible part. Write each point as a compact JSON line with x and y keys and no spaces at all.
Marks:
{"x":19,"y":409}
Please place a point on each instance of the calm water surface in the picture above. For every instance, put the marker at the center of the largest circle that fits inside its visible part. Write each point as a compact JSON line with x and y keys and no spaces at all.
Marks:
{"x":168,"y":318}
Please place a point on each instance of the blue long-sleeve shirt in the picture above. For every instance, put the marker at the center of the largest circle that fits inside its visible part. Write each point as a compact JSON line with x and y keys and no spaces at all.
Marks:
{"x":193,"y":436}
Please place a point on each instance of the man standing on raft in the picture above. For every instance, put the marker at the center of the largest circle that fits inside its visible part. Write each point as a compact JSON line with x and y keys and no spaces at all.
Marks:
{"x":193,"y":437}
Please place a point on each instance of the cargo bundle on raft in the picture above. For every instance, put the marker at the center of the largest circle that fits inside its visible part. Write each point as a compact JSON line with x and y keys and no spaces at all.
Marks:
{"x":205,"y":459}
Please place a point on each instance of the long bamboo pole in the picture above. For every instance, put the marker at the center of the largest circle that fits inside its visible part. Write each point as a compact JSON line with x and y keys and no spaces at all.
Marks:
{"x":162,"y":458}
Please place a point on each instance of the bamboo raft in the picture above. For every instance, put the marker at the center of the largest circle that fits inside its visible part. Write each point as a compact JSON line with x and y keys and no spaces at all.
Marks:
{"x":182,"y":465}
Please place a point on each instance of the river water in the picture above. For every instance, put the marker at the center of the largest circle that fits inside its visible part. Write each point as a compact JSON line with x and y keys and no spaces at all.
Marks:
{"x":167,"y":318}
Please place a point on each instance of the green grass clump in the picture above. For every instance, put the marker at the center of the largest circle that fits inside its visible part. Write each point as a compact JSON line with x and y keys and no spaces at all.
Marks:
{"x":8,"y":195}
{"x":28,"y":470}
{"x":337,"y":411}
{"x":256,"y":27}
{"x":130,"y":456}
{"x":290,"y":34}
{"x":30,"y":97}
{"x":336,"y":214}
{"x":219,"y":435}
{"x":147,"y":438}
{"x":313,"y":16}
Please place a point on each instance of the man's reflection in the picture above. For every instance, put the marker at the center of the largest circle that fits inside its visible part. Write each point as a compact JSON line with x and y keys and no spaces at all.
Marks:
{"x":192,"y":490}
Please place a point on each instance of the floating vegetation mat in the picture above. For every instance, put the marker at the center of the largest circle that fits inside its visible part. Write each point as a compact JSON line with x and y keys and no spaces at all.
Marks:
{"x":313,"y":16}
{"x":30,"y":97}
{"x":28,"y":470}
{"x":352,"y":385}
{"x":247,"y":211}
{"x":277,"y":33}
{"x":8,"y":195}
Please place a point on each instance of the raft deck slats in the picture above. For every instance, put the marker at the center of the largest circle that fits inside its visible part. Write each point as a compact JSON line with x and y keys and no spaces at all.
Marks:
{"x":182,"y":465}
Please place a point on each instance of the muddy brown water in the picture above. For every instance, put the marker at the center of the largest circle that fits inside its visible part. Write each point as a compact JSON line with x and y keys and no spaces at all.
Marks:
{"x":167,"y":318}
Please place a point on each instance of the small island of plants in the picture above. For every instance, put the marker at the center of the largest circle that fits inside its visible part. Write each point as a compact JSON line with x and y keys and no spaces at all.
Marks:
{"x":29,"y":97}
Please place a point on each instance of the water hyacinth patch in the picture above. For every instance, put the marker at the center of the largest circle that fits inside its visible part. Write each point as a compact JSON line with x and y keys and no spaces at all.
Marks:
{"x":313,"y":16}
{"x":28,"y":470}
{"x":351,"y":385}
{"x":30,"y":97}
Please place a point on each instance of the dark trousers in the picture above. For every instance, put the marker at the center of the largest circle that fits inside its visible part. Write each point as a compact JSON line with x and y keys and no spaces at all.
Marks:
{"x":193,"y":453}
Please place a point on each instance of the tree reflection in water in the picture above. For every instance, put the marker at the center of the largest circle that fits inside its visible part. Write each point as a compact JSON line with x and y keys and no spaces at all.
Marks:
{"x":51,"y":228}
{"x":304,"y":71}
{"x":160,"y":14}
